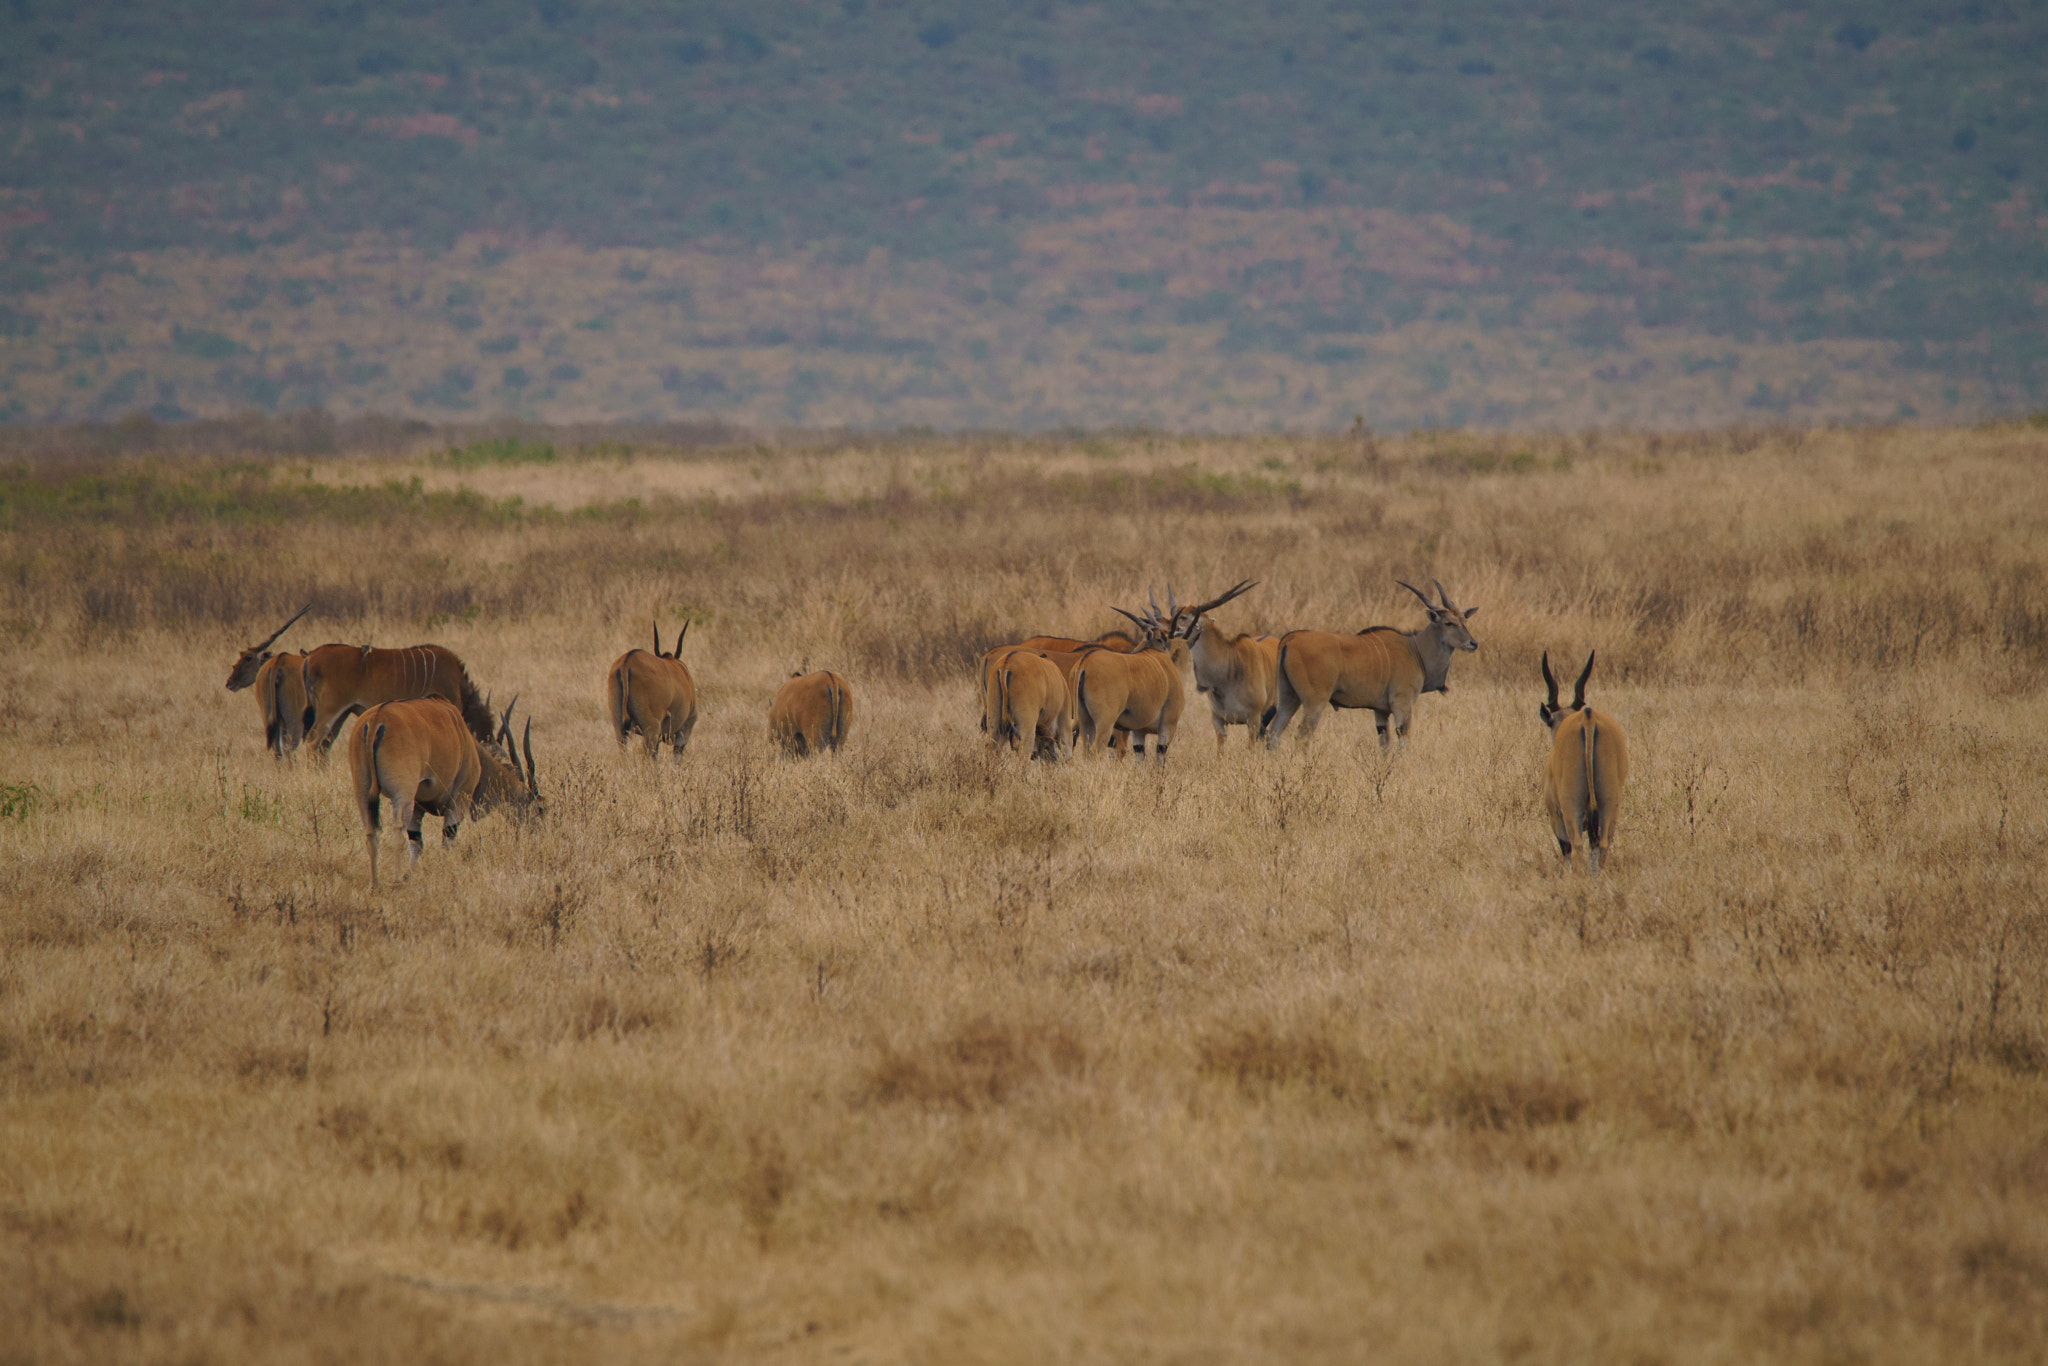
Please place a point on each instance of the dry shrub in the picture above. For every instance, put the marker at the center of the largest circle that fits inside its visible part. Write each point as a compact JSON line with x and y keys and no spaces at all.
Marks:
{"x":1262,"y":1059}
{"x":1503,"y":1101}
{"x":982,"y":1063}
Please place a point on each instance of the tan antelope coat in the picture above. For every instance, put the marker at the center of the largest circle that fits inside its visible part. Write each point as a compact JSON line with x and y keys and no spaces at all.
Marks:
{"x":1380,"y":669}
{"x":1139,"y":693}
{"x":420,"y":754}
{"x":652,"y":695}
{"x":343,"y":680}
{"x":281,"y":697}
{"x":1027,"y":695}
{"x":1586,"y":772}
{"x":811,"y":713}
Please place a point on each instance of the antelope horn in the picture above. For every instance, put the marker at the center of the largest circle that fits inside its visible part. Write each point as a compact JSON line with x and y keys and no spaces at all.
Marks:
{"x":511,"y":749}
{"x":677,"y":651}
{"x":532,"y":783}
{"x":1239,"y":590}
{"x":282,"y":629}
{"x":1445,"y":596}
{"x":505,"y":721}
{"x":1548,"y":681}
{"x":657,"y":637}
{"x":1172,"y":607}
{"x":1579,"y":689}
{"x":1142,"y":624}
{"x":1155,"y":599}
{"x":1427,"y":605}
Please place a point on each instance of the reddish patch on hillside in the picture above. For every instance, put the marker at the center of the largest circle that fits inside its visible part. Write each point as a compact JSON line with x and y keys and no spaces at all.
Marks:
{"x":427,"y":126}
{"x":1152,"y":105}
{"x":996,"y":142}
{"x":1704,"y":187}
{"x":222,"y":99}
{"x":1270,"y":254}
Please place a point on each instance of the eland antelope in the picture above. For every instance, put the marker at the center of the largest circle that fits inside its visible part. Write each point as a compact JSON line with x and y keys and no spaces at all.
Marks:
{"x":811,"y":712}
{"x":1238,"y":674}
{"x":419,"y":753}
{"x":1119,"y":641}
{"x":1138,"y":694}
{"x":654,"y":695}
{"x":1588,"y":767}
{"x":342,"y":680}
{"x":1380,"y":669}
{"x":1026,"y":694}
{"x":251,"y":660}
{"x":281,"y":697}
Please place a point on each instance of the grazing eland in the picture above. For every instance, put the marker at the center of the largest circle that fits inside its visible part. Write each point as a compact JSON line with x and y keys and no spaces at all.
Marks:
{"x":343,"y":680}
{"x":419,"y":753}
{"x":811,"y":712}
{"x":654,"y":695}
{"x":1380,"y":669}
{"x":1587,"y":770}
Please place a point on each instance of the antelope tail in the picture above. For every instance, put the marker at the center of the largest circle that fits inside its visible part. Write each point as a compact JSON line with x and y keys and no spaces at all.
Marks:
{"x":1006,"y":720}
{"x":1084,"y":720}
{"x":836,"y":704}
{"x":625,"y":695}
{"x":1593,"y":812}
{"x":309,"y":684}
{"x":376,"y":777}
{"x":273,"y":725}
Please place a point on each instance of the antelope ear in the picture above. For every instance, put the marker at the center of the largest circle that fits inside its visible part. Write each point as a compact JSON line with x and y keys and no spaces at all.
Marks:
{"x":1471,"y":612}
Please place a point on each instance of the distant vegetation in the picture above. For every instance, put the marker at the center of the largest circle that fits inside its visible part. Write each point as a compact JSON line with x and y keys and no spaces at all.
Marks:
{"x":1178,"y":188}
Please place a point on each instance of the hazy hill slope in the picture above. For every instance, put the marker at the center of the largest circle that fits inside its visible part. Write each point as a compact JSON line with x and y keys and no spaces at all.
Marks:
{"x":1248,"y":196}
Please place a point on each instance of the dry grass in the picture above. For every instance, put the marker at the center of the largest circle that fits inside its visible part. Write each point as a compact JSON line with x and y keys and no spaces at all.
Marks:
{"x":915,"y":1054}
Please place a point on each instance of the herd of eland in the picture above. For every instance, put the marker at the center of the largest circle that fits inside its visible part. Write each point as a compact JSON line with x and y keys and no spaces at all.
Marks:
{"x":429,"y":742}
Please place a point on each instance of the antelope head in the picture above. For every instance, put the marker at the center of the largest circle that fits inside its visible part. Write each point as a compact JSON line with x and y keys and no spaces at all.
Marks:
{"x":505,"y":782}
{"x":1549,"y":712}
{"x":1156,"y":633}
{"x":1186,"y":622}
{"x":251,"y":659}
{"x":1447,"y":621}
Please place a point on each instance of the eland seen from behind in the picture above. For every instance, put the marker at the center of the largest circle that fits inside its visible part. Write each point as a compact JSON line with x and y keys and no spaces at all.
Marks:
{"x":1026,"y":695}
{"x":1135,"y":694}
{"x":811,"y":712}
{"x":654,"y":695}
{"x":1587,"y":770}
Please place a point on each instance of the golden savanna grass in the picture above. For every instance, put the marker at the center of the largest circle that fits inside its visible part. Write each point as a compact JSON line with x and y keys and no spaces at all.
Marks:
{"x":917,"y":1054}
